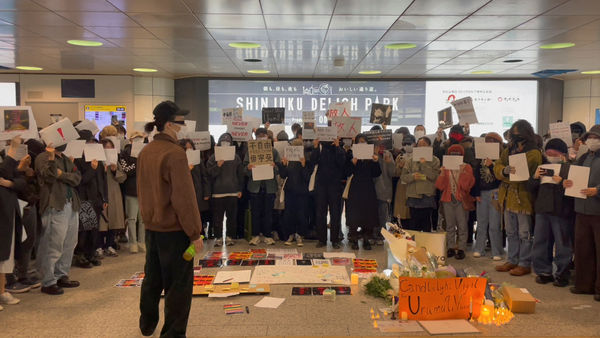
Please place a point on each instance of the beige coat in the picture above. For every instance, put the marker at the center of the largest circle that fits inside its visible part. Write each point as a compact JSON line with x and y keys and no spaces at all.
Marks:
{"x":114,"y":213}
{"x":401,"y":210}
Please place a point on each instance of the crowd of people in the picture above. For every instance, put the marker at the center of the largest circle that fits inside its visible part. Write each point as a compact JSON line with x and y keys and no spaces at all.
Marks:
{"x":62,"y":211}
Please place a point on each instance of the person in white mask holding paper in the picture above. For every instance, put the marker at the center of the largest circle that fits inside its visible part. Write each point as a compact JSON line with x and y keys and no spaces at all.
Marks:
{"x":419,"y":131}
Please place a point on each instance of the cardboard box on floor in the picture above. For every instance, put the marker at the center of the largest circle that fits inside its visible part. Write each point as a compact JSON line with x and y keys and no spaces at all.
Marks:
{"x":519,"y":300}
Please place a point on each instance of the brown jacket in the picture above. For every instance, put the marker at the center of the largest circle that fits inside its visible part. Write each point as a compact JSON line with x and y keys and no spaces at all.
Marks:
{"x":54,"y":189}
{"x":166,"y":190}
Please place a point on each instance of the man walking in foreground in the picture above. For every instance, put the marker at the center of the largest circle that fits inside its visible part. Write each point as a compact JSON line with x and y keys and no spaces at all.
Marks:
{"x":167,"y":205}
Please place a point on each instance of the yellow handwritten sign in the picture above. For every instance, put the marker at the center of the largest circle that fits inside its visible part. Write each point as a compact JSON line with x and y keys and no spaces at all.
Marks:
{"x":447,"y":298}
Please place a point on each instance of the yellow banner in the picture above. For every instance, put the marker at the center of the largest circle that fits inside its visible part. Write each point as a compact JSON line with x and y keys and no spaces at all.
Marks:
{"x":106,"y":108}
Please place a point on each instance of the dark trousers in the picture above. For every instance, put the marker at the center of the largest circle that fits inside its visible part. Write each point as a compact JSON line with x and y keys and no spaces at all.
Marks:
{"x":311,"y":212}
{"x":587,"y":253}
{"x":86,"y":243}
{"x":29,"y":222}
{"x":166,"y":270}
{"x":422,"y":218}
{"x":241,"y":214}
{"x":329,"y":197}
{"x":262,"y":205}
{"x":225,"y":206}
{"x":107,"y":239}
{"x":296,"y":219}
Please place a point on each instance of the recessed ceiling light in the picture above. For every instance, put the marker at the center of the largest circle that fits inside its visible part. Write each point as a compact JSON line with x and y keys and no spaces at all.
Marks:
{"x":513,"y":61}
{"x":244,"y":45}
{"x":559,"y":45}
{"x":259,"y":71}
{"x":369,"y":72}
{"x":85,"y":43}
{"x":590,"y":72}
{"x":253,"y":60}
{"x":29,"y":68}
{"x":400,"y":46}
{"x":145,"y":70}
{"x":482,"y":72}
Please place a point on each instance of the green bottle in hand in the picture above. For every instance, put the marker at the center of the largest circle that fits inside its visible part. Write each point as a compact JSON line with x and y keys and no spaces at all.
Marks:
{"x":189,"y":253}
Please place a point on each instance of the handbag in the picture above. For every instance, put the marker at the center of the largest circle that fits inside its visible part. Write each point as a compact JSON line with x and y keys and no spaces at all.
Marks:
{"x":313,"y":177}
{"x":88,"y":218}
{"x":347,"y":187}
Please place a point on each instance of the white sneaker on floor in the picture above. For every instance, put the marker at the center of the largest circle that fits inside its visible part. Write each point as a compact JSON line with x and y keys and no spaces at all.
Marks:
{"x":219,"y":242}
{"x":229,"y":241}
{"x":476,"y":254}
{"x":133,"y":248}
{"x":8,"y":298}
{"x":142,"y":247}
{"x":289,"y":240}
{"x":111,"y":252}
{"x":269,"y":241}
{"x":100,"y":252}
{"x":497,"y":258}
{"x":299,"y":240}
{"x":255,"y":240}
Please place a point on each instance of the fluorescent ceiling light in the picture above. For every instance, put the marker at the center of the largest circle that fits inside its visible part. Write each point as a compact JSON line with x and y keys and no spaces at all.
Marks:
{"x":590,"y":72}
{"x":558,"y":45}
{"x":400,"y":46}
{"x":145,"y":70}
{"x":244,"y":45}
{"x":259,"y":71}
{"x":29,"y":68}
{"x":85,"y":43}
{"x":369,"y":72}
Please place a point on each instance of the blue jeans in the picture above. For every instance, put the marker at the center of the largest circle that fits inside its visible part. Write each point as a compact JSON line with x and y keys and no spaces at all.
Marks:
{"x":518,"y":233}
{"x":57,"y":243}
{"x":488,"y":221}
{"x":551,"y":230}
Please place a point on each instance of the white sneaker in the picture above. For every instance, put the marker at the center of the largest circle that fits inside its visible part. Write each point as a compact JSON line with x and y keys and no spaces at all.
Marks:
{"x":111,"y":252}
{"x":142,"y":247}
{"x":255,"y":240}
{"x":476,"y":254}
{"x":497,"y":258}
{"x":100,"y":252}
{"x":289,"y":240}
{"x":219,"y":242}
{"x":269,"y":241}
{"x":133,"y":248}
{"x":299,"y":240}
{"x":8,"y":298}
{"x":229,"y":241}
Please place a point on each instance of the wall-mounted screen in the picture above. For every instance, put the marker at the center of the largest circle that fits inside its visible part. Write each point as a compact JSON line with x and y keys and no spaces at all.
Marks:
{"x":106,"y":115}
{"x":497,"y":103}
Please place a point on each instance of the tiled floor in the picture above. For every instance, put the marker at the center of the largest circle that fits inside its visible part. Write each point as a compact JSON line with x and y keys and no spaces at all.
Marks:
{"x":98,"y":309}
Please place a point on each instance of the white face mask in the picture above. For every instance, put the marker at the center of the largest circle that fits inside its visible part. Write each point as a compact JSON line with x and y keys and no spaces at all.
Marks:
{"x":554,"y":159}
{"x":419,"y":134}
{"x":225,"y":144}
{"x":593,"y":144}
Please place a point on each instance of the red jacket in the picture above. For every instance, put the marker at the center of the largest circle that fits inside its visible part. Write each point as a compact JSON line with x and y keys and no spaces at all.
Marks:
{"x":466,"y":180}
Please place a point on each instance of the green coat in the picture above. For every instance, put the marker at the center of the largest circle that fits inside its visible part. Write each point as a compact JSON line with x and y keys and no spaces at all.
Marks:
{"x":514,"y":196}
{"x":417,"y":189}
{"x":270,"y":185}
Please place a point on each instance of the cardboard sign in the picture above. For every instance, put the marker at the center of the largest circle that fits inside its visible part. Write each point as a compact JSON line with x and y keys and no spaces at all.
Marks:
{"x":201,"y":140}
{"x":294,"y":153}
{"x":18,"y":120}
{"x":326,"y":133}
{"x":347,"y":127}
{"x":452,"y":162}
{"x":263,"y":172}
{"x":240,"y":130}
{"x":90,"y":125}
{"x":338,"y":109}
{"x":94,"y":151}
{"x":382,"y":139}
{"x":273,"y":115}
{"x":445,"y":118}
{"x":74,"y":148}
{"x":193,"y":156}
{"x":231,"y":114}
{"x":485,"y":150}
{"x":112,"y":156}
{"x":59,"y":133}
{"x":466,"y":112}
{"x":561,"y":130}
{"x":362,"y":151}
{"x":440,"y":298}
{"x":224,"y":153}
{"x":260,"y":152}
{"x":381,"y":113}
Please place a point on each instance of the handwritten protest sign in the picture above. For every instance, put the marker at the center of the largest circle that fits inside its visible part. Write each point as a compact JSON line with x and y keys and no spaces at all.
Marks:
{"x":347,"y":127}
{"x":294,"y":153}
{"x":339,"y":109}
{"x":382,"y":139}
{"x":240,"y":130}
{"x":260,"y":152}
{"x":231,"y":114}
{"x":273,"y":115}
{"x":465,"y":110}
{"x":561,"y":130}
{"x":308,"y":121}
{"x":326,"y":133}
{"x":201,"y":139}
{"x":440,"y":298}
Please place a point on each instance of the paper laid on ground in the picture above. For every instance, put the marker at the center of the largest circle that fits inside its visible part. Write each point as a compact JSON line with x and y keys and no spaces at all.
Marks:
{"x":397,"y":140}
{"x":280,"y":147}
{"x":548,"y":179}
{"x":285,"y":262}
{"x":222,"y":294}
{"x":561,"y":130}
{"x":18,"y":120}
{"x":239,"y":276}
{"x":136,"y":147}
{"x":90,"y":125}
{"x":94,"y":152}
{"x":362,"y":151}
{"x":300,"y":274}
{"x":339,"y":255}
{"x":224,"y":153}
{"x":580,"y":177}
{"x":112,"y":156}
{"x":398,"y":326}
{"x":451,"y":162}
{"x":294,"y":153}
{"x":465,"y":110}
{"x":262,"y":172}
{"x":59,"y":133}
{"x":485,"y":150}
{"x":519,"y":162}
{"x":270,"y":302}
{"x":193,"y":156}
{"x":201,"y":139}
{"x":448,"y":326}
{"x":422,"y":152}
{"x":326,"y":133}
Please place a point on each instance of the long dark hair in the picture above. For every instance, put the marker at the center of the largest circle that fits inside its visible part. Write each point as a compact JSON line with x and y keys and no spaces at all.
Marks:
{"x":526,"y":132}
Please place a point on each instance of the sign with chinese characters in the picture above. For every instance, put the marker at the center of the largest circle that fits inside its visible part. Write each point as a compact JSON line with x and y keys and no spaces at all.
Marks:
{"x":382,"y":139}
{"x":273,"y":115}
{"x":231,"y":114}
{"x":339,"y":109}
{"x":260,"y":152}
{"x":466,"y":112}
{"x":240,"y":130}
{"x":347,"y":127}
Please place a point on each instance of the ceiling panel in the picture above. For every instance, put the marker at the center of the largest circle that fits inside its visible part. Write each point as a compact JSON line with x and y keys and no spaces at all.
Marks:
{"x":75,"y":5}
{"x":558,"y":22}
{"x":165,"y":20}
{"x":529,"y":34}
{"x":232,"y":21}
{"x":99,"y":19}
{"x":121,"y":32}
{"x":413,"y":35}
{"x":27,"y":19}
{"x":510,"y":7}
{"x":362,"y":21}
{"x":304,"y":7}
{"x":297,"y":34}
{"x":504,"y":45}
{"x":354,"y":35}
{"x":240,"y":35}
{"x":453,"y":45}
{"x":493,"y":22}
{"x":139,"y":43}
{"x":446,"y":7}
{"x":362,"y":7}
{"x":225,"y":6}
{"x":21,"y":5}
{"x":194,"y":32}
{"x":577,"y":7}
{"x":296,"y":21}
{"x":427,"y":22}
{"x":150,"y":6}
{"x":468,"y":34}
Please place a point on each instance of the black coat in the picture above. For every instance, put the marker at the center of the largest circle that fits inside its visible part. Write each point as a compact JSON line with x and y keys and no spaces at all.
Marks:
{"x":93,"y":186}
{"x":298,"y":177}
{"x":129,"y":164}
{"x":201,"y":186}
{"x":362,"y":206}
{"x":10,"y":212}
